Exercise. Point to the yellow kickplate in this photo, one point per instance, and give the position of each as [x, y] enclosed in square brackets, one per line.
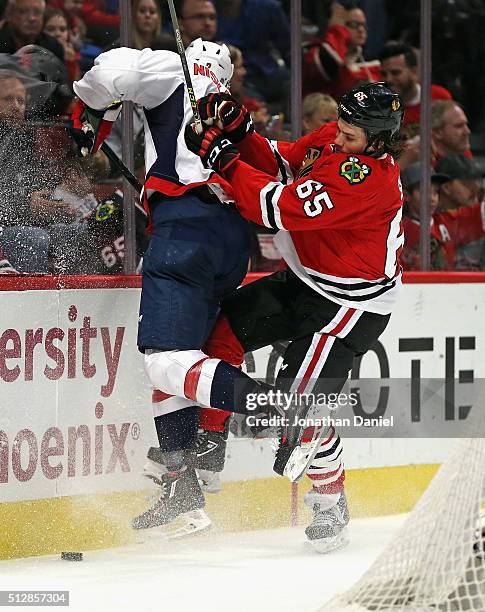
[82, 523]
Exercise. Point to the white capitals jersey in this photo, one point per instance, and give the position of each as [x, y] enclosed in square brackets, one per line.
[155, 81]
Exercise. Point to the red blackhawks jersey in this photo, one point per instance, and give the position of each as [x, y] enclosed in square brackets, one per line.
[450, 230]
[339, 215]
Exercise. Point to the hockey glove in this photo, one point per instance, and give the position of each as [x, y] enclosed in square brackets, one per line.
[215, 150]
[89, 128]
[232, 118]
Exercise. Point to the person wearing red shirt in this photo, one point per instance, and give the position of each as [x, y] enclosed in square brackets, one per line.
[399, 67]
[410, 256]
[457, 220]
[461, 209]
[335, 63]
[336, 198]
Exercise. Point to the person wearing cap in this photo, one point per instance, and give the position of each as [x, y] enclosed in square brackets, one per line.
[410, 257]
[452, 229]
[460, 207]
[464, 181]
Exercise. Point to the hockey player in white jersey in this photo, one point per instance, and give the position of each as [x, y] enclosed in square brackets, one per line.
[198, 252]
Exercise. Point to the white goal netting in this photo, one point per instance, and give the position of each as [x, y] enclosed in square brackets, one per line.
[436, 562]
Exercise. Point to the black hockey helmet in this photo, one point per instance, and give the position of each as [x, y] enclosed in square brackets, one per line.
[373, 107]
[42, 64]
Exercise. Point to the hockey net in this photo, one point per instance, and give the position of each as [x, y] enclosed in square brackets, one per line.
[436, 562]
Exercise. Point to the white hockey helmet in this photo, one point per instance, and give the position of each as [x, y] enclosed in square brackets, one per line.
[218, 56]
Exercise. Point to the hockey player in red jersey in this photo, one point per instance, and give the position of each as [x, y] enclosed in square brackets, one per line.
[335, 196]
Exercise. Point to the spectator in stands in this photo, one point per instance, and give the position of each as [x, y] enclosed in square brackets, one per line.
[39, 214]
[197, 19]
[147, 22]
[399, 67]
[449, 128]
[23, 26]
[251, 98]
[146, 27]
[56, 25]
[463, 186]
[102, 20]
[410, 257]
[64, 209]
[72, 10]
[456, 233]
[318, 109]
[465, 213]
[146, 33]
[334, 63]
[260, 28]
[22, 172]
[449, 230]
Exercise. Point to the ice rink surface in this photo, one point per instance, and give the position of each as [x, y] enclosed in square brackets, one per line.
[253, 571]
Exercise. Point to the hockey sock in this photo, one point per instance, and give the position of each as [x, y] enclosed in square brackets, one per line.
[222, 344]
[177, 430]
[327, 471]
[234, 391]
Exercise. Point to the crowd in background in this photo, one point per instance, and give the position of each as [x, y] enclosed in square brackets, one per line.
[64, 215]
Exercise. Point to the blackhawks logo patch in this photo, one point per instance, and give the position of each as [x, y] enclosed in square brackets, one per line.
[354, 170]
[310, 158]
[105, 211]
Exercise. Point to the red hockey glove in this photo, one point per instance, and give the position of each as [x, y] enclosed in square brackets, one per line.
[223, 110]
[215, 150]
[90, 128]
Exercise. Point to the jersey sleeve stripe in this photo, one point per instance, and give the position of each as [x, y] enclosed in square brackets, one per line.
[270, 212]
[284, 175]
[274, 204]
[352, 297]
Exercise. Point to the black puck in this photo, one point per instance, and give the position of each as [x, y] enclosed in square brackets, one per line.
[72, 556]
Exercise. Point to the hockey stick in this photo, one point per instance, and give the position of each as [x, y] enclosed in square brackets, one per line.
[116, 161]
[185, 67]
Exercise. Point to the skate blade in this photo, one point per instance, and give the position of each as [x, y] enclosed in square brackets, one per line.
[301, 454]
[327, 545]
[184, 526]
[301, 457]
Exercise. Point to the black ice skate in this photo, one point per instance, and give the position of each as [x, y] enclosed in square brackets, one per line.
[178, 495]
[328, 530]
[208, 457]
[209, 451]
